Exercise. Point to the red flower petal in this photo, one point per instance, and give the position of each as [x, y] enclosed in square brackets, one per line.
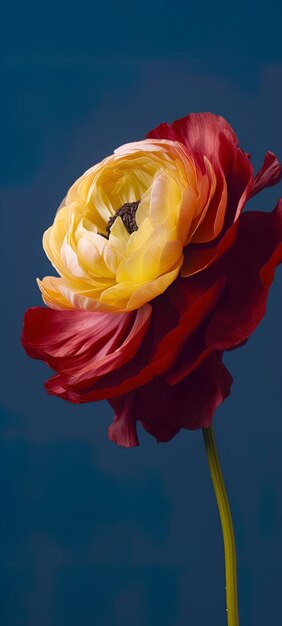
[174, 319]
[199, 132]
[164, 409]
[269, 174]
[194, 351]
[123, 429]
[75, 341]
[205, 134]
[197, 258]
[249, 267]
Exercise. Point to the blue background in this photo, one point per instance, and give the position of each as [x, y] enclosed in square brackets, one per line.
[90, 533]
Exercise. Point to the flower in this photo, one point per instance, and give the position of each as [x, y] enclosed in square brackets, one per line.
[160, 273]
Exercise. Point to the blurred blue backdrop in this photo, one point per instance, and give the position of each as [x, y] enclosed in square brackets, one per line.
[90, 533]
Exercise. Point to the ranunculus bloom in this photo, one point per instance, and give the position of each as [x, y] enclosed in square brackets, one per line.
[160, 272]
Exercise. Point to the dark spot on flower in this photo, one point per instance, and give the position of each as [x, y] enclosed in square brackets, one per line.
[127, 213]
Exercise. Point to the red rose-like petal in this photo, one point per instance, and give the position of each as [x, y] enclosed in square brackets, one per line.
[269, 174]
[174, 319]
[72, 341]
[249, 269]
[197, 258]
[164, 409]
[199, 132]
[205, 134]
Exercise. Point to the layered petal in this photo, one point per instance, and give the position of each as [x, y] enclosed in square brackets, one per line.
[73, 342]
[117, 238]
[173, 321]
[210, 136]
[101, 356]
[269, 174]
[164, 409]
[249, 268]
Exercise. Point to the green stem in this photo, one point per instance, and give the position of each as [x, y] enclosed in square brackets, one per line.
[227, 527]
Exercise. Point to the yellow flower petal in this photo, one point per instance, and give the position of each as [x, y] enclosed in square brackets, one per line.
[122, 266]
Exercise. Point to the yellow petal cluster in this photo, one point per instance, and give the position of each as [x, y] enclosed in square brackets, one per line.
[117, 270]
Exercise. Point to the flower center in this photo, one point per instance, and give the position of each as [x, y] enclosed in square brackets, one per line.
[127, 213]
